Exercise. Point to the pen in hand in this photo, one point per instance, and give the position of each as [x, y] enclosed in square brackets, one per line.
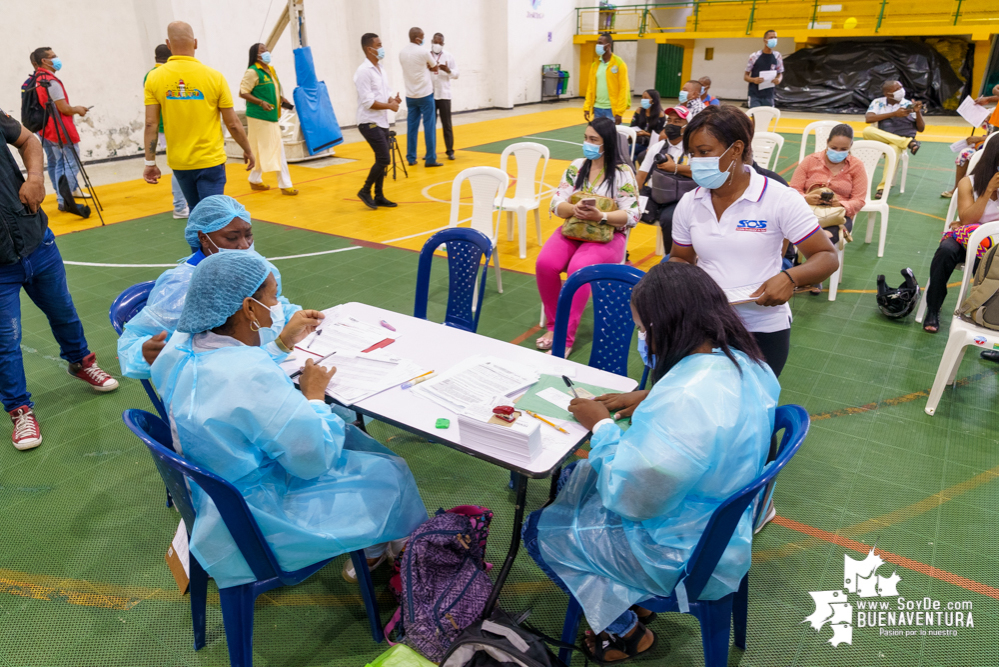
[568, 383]
[319, 332]
[299, 371]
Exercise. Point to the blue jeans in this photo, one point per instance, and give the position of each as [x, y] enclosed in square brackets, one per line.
[764, 99]
[43, 277]
[417, 108]
[602, 113]
[197, 184]
[61, 163]
[626, 621]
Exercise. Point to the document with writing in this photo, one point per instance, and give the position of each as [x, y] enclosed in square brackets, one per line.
[359, 376]
[345, 335]
[768, 76]
[737, 295]
[475, 381]
[973, 113]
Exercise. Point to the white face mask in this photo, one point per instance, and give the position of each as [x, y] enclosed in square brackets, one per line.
[436, 48]
[218, 249]
[269, 334]
[898, 95]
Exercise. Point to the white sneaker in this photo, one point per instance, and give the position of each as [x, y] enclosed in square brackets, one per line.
[351, 575]
[767, 517]
[183, 215]
[79, 194]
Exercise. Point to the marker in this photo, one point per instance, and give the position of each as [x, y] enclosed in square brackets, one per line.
[540, 418]
[300, 370]
[387, 325]
[418, 379]
[568, 383]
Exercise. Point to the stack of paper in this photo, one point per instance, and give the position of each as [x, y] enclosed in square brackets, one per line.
[737, 295]
[518, 442]
[360, 376]
[346, 334]
[479, 380]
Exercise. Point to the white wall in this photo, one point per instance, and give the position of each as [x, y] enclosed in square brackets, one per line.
[644, 73]
[500, 46]
[729, 63]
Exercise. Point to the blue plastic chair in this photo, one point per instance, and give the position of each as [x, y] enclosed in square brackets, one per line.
[717, 616]
[465, 249]
[125, 307]
[612, 322]
[237, 601]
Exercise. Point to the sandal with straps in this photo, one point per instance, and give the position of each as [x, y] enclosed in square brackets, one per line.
[626, 645]
[544, 343]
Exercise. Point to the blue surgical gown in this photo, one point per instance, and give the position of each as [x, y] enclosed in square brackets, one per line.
[629, 517]
[317, 487]
[162, 311]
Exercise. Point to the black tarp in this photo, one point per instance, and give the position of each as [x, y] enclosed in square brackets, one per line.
[845, 76]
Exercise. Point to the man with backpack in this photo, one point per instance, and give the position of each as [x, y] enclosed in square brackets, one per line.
[59, 135]
[29, 259]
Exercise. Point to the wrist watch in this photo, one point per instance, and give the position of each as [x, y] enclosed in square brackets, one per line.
[603, 216]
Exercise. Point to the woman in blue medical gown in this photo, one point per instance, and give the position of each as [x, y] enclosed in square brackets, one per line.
[627, 519]
[316, 486]
[218, 223]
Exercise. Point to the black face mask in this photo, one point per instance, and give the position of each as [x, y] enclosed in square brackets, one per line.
[673, 132]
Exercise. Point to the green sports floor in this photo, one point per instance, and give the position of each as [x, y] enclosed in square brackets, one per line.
[84, 529]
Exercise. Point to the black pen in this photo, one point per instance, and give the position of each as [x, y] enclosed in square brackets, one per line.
[299, 371]
[568, 383]
[319, 332]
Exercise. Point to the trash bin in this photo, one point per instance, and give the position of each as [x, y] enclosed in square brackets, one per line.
[563, 82]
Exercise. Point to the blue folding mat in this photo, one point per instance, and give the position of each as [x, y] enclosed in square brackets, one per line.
[312, 102]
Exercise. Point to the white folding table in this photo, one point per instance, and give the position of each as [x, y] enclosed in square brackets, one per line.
[438, 347]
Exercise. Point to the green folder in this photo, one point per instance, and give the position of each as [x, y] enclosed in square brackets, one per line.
[530, 400]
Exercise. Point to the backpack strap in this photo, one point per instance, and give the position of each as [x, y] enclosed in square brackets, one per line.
[390, 626]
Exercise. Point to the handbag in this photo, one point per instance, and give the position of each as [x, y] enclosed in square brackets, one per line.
[667, 188]
[587, 230]
[831, 216]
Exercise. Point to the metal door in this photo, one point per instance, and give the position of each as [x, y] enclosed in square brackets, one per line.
[669, 70]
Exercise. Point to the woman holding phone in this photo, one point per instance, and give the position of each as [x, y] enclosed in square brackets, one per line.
[596, 191]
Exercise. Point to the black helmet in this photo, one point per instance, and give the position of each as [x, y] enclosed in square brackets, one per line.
[897, 303]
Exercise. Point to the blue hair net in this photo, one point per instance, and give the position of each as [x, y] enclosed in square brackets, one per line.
[212, 214]
[218, 286]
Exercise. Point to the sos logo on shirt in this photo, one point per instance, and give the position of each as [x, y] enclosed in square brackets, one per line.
[751, 226]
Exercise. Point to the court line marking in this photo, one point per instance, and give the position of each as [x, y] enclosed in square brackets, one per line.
[170, 266]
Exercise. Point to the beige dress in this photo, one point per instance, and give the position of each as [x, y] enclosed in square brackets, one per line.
[264, 136]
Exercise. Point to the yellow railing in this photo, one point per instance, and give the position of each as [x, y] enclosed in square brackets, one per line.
[749, 15]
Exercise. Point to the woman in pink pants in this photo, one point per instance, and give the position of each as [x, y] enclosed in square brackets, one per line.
[602, 172]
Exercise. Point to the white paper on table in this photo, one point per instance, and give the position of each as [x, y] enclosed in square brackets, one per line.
[345, 334]
[973, 113]
[959, 145]
[737, 295]
[555, 397]
[768, 76]
[476, 381]
[363, 375]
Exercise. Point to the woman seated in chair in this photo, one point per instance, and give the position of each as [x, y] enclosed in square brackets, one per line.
[598, 196]
[217, 224]
[649, 120]
[976, 204]
[627, 519]
[832, 179]
[316, 486]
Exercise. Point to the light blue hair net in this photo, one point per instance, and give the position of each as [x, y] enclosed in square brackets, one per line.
[218, 286]
[212, 214]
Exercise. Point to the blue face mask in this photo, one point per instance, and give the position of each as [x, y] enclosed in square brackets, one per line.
[643, 351]
[682, 96]
[218, 249]
[836, 156]
[705, 171]
[266, 57]
[772, 43]
[600, 49]
[591, 151]
[646, 104]
[56, 64]
[270, 334]
[381, 53]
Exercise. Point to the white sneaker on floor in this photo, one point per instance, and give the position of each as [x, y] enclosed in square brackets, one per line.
[351, 575]
[183, 215]
[79, 194]
[767, 517]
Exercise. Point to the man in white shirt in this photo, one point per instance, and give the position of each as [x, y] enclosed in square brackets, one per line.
[373, 102]
[447, 69]
[417, 67]
[894, 120]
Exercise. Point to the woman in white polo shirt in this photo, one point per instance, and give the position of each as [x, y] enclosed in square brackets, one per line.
[734, 225]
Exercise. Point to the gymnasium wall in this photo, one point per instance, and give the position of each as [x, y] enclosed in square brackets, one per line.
[729, 63]
[500, 46]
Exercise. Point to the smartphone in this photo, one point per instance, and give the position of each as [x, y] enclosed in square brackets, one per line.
[592, 203]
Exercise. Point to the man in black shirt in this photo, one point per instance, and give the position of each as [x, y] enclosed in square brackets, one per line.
[29, 259]
[763, 61]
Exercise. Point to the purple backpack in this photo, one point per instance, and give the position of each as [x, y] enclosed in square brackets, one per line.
[444, 582]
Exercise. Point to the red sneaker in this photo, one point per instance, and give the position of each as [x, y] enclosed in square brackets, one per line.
[27, 433]
[88, 371]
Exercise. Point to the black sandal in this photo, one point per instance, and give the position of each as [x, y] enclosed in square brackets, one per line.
[914, 146]
[931, 323]
[628, 646]
[646, 620]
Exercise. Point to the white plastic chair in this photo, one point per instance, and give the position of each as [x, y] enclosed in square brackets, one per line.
[766, 148]
[631, 134]
[487, 183]
[870, 153]
[951, 217]
[527, 196]
[821, 128]
[762, 116]
[962, 332]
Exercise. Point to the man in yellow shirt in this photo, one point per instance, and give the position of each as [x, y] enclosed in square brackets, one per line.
[190, 96]
[608, 94]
